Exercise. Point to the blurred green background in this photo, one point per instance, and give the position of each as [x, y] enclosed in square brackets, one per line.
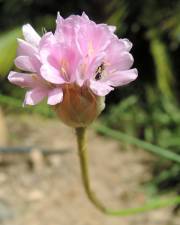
[147, 109]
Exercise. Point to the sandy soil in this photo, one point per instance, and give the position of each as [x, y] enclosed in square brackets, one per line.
[51, 193]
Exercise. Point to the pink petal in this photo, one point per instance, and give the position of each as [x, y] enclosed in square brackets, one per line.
[84, 16]
[127, 43]
[26, 63]
[92, 38]
[86, 70]
[65, 29]
[120, 45]
[53, 54]
[31, 35]
[95, 63]
[23, 80]
[55, 96]
[25, 48]
[119, 61]
[47, 40]
[35, 96]
[63, 59]
[112, 28]
[120, 78]
[59, 20]
[50, 51]
[100, 88]
[51, 74]
[71, 59]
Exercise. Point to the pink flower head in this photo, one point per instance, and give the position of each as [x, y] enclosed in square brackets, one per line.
[80, 55]
[104, 59]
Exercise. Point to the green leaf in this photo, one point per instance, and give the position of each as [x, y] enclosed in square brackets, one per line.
[14, 104]
[8, 45]
[164, 72]
[167, 154]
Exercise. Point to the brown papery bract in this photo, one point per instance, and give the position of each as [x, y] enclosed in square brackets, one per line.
[80, 106]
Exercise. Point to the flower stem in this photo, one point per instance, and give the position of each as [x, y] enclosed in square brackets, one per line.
[82, 149]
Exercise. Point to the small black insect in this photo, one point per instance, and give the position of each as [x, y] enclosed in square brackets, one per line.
[99, 71]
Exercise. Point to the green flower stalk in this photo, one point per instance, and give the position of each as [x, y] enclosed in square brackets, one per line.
[83, 157]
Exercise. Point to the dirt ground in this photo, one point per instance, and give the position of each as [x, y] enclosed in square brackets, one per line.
[37, 190]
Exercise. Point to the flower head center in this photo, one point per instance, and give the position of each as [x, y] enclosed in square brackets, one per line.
[64, 68]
